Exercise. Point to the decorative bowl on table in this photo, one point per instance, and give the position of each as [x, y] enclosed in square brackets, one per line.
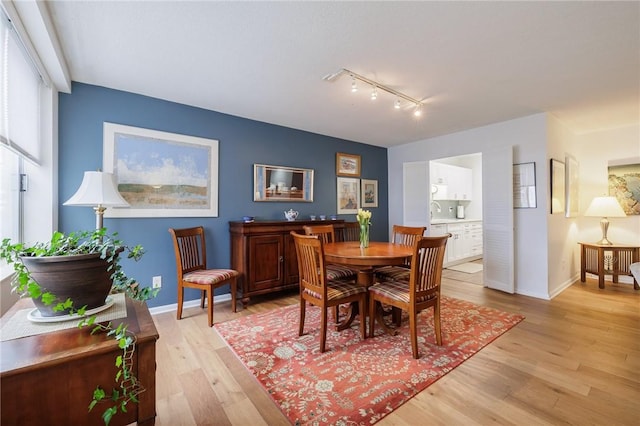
[248, 219]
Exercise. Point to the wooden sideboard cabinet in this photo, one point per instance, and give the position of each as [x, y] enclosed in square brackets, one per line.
[265, 255]
[50, 378]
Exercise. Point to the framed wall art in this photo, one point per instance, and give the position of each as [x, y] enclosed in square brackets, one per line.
[557, 186]
[280, 183]
[624, 184]
[369, 196]
[348, 195]
[347, 164]
[161, 174]
[524, 186]
[572, 195]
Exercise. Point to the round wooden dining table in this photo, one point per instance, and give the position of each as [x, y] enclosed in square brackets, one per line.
[365, 260]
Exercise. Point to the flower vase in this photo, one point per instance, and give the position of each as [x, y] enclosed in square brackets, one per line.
[364, 235]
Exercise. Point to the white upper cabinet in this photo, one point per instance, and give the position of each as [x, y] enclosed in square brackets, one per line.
[453, 182]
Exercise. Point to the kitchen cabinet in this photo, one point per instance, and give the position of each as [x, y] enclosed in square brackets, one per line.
[452, 182]
[455, 245]
[265, 255]
[465, 243]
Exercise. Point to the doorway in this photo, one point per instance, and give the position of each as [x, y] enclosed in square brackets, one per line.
[456, 207]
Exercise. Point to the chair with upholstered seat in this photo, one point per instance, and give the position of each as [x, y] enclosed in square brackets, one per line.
[327, 234]
[406, 236]
[192, 272]
[318, 290]
[419, 292]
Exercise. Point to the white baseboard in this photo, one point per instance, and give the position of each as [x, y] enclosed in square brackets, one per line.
[187, 304]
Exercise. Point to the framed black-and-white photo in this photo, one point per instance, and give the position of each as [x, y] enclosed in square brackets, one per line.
[369, 189]
[161, 174]
[348, 195]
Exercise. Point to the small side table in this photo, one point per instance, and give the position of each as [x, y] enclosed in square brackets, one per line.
[592, 260]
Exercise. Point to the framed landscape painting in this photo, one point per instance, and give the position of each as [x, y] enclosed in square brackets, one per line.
[161, 174]
[347, 164]
[624, 184]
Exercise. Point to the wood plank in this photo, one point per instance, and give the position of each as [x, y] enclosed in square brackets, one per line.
[573, 360]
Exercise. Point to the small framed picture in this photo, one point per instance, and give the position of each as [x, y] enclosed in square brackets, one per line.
[348, 195]
[557, 186]
[347, 164]
[369, 194]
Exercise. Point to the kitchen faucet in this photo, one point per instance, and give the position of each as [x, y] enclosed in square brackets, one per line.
[438, 208]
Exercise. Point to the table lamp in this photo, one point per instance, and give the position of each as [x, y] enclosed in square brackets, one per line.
[605, 207]
[98, 190]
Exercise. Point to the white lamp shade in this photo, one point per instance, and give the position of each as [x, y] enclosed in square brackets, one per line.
[605, 207]
[97, 189]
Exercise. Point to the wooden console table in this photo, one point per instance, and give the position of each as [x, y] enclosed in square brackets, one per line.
[50, 378]
[592, 260]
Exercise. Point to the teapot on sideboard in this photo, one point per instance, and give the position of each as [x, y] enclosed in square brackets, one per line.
[291, 214]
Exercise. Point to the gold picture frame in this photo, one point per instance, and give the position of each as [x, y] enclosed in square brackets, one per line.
[348, 164]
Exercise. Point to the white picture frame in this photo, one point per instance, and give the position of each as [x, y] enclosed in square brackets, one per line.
[348, 195]
[161, 174]
[369, 192]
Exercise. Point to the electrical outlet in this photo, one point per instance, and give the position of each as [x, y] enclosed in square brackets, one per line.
[157, 281]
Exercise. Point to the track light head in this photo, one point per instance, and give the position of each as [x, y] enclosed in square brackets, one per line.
[374, 94]
[354, 86]
[418, 111]
[397, 104]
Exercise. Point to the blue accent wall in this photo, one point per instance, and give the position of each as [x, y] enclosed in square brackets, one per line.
[242, 143]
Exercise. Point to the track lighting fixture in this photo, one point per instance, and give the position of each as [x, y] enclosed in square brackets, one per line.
[374, 93]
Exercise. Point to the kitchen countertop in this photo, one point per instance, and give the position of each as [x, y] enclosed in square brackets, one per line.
[447, 221]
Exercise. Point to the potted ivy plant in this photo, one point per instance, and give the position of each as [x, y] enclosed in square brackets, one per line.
[73, 273]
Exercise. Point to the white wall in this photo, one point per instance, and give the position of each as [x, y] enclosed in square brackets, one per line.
[528, 136]
[594, 152]
[563, 256]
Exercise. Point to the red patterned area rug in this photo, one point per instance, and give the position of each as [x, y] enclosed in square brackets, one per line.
[355, 382]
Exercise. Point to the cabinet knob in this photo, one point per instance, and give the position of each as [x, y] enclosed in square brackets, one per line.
[281, 258]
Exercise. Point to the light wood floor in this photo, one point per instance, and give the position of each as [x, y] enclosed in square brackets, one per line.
[573, 360]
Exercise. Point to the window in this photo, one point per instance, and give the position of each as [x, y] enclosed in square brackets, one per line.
[20, 126]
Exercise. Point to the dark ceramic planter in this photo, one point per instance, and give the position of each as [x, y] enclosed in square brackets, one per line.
[83, 278]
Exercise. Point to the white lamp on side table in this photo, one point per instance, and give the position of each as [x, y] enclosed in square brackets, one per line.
[605, 207]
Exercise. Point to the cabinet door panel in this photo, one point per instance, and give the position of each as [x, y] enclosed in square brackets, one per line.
[266, 256]
[291, 261]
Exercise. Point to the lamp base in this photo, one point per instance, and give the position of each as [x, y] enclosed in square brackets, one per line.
[604, 242]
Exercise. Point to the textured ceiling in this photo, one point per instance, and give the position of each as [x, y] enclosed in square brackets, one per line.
[472, 63]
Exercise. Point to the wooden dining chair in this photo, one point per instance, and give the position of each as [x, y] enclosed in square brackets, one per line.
[318, 290]
[327, 234]
[420, 291]
[406, 236]
[191, 265]
[351, 231]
